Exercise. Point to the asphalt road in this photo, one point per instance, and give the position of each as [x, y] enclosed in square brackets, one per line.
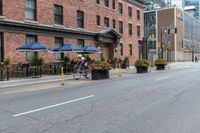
[157, 102]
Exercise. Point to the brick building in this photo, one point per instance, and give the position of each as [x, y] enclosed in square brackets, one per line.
[172, 43]
[115, 26]
[167, 26]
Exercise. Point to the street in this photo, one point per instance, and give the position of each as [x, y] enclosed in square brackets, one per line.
[157, 102]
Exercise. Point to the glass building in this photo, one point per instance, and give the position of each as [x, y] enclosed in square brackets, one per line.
[192, 3]
[150, 28]
[191, 33]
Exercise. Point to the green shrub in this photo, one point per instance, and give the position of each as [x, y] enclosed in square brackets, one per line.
[160, 62]
[100, 65]
[35, 60]
[142, 63]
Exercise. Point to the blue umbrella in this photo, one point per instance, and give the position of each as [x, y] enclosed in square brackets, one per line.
[90, 49]
[33, 47]
[67, 48]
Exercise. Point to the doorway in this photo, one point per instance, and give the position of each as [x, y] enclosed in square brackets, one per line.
[107, 51]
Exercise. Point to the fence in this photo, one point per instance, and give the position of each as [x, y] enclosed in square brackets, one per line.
[26, 70]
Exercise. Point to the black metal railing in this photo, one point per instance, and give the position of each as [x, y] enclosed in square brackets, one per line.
[27, 70]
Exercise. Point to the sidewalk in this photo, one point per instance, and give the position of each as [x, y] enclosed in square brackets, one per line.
[31, 81]
[47, 79]
[171, 64]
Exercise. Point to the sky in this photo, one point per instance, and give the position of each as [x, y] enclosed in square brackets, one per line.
[177, 2]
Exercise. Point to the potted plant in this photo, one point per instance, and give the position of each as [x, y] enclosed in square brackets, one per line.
[65, 63]
[4, 69]
[37, 63]
[142, 65]
[100, 70]
[160, 64]
[125, 63]
[2, 76]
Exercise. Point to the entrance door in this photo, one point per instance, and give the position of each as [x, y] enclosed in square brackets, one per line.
[107, 51]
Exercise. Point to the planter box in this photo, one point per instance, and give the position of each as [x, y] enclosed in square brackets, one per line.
[142, 70]
[100, 74]
[160, 67]
[123, 67]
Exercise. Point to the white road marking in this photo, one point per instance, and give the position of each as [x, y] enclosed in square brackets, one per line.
[52, 106]
[163, 78]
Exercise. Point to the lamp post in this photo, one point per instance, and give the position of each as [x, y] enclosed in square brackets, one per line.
[192, 48]
[192, 54]
[140, 48]
[163, 30]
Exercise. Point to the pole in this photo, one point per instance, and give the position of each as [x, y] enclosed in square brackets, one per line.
[7, 74]
[62, 76]
[120, 73]
[161, 55]
[147, 48]
[192, 54]
[35, 64]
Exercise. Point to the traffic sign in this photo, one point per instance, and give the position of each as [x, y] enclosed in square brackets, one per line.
[153, 37]
[158, 44]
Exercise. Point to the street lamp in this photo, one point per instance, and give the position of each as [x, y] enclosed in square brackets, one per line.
[163, 30]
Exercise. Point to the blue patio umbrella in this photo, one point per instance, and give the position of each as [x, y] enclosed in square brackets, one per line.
[33, 47]
[90, 49]
[67, 48]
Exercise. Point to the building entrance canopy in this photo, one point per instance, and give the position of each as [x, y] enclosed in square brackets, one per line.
[109, 36]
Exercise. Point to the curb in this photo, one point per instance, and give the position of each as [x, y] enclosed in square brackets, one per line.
[40, 82]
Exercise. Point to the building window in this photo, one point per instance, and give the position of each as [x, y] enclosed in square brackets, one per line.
[81, 43]
[120, 8]
[138, 31]
[130, 49]
[121, 49]
[114, 23]
[106, 3]
[106, 22]
[98, 2]
[1, 7]
[130, 29]
[1, 47]
[30, 39]
[80, 19]
[138, 14]
[98, 21]
[58, 14]
[121, 27]
[113, 4]
[30, 9]
[58, 43]
[130, 12]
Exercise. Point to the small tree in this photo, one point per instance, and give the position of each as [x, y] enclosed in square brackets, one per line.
[4, 68]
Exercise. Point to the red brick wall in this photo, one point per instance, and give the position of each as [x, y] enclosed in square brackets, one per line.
[11, 42]
[45, 15]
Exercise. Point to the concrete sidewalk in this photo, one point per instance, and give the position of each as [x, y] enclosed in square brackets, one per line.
[16, 82]
[31, 81]
[47, 79]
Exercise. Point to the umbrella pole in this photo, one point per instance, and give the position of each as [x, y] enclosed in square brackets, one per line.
[35, 66]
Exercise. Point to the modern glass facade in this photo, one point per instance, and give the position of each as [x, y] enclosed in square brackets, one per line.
[192, 3]
[150, 28]
[191, 33]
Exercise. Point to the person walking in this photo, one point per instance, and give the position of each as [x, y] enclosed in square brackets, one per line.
[196, 59]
